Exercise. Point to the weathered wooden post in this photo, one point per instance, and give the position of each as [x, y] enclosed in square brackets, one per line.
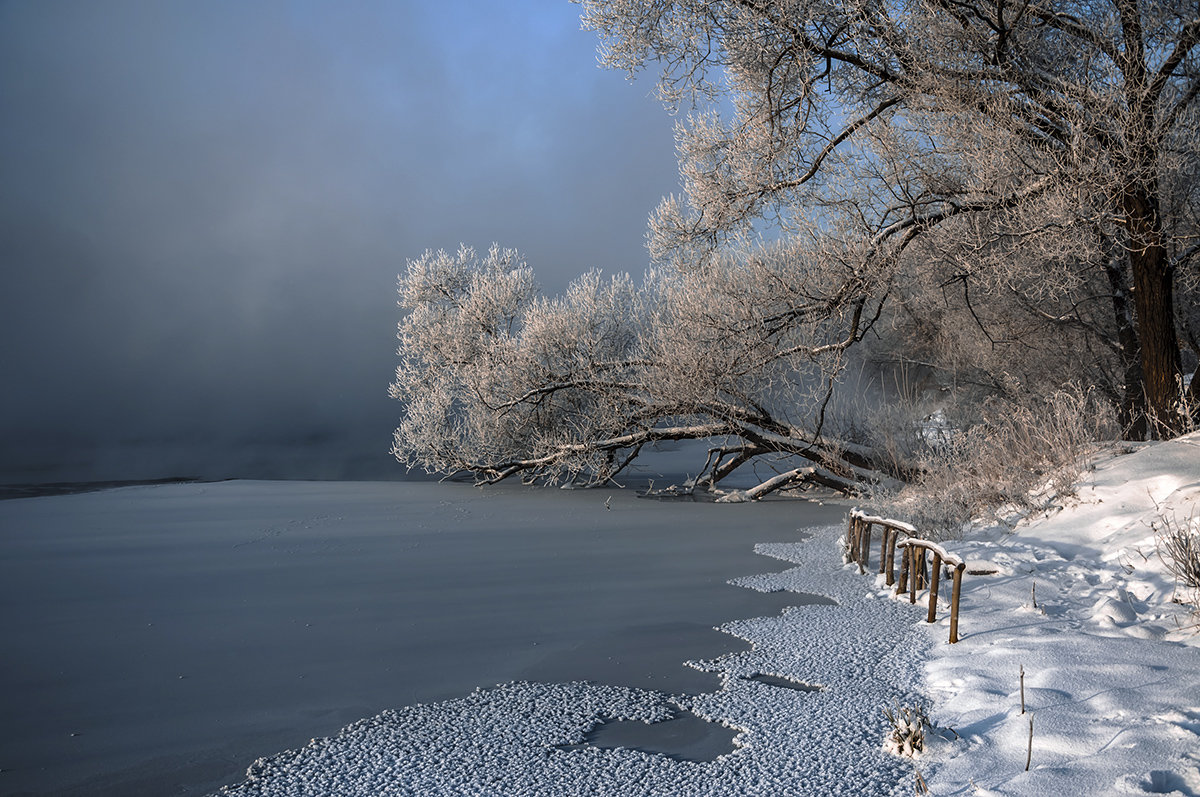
[886, 532]
[854, 545]
[891, 556]
[914, 574]
[954, 593]
[933, 587]
[864, 553]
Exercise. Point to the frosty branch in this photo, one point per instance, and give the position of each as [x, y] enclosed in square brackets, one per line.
[499, 382]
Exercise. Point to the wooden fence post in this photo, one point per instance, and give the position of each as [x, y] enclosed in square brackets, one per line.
[891, 557]
[851, 537]
[887, 531]
[913, 573]
[856, 544]
[958, 572]
[934, 574]
[864, 544]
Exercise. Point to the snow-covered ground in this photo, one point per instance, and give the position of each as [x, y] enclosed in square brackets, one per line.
[1112, 665]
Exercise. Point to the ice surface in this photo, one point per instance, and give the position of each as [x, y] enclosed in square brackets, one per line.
[159, 639]
[526, 739]
[683, 736]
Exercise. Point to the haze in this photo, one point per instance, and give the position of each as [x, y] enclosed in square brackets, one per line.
[204, 206]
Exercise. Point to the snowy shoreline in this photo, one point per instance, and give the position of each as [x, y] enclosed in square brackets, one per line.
[1112, 671]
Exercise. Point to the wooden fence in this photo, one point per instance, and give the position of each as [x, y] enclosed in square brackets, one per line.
[914, 553]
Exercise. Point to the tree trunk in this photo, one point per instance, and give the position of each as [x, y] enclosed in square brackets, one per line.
[1154, 308]
[1132, 412]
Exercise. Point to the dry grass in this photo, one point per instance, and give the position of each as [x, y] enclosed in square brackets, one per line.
[1178, 544]
[1015, 459]
[907, 734]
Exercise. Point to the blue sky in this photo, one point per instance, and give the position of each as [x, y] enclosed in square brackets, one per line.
[205, 206]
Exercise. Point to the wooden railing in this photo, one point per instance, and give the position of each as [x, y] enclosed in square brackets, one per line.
[914, 553]
[858, 541]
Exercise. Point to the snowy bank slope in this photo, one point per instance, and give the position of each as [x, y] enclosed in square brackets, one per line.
[1112, 665]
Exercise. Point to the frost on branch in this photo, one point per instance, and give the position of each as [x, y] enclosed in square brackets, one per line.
[498, 381]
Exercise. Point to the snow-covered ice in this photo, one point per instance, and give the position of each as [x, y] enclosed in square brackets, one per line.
[864, 653]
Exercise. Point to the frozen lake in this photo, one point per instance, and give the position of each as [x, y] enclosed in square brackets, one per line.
[159, 639]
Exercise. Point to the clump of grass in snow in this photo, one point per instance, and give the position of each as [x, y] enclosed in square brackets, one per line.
[907, 736]
[1178, 545]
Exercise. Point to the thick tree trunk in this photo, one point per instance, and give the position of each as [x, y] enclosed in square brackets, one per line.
[1154, 309]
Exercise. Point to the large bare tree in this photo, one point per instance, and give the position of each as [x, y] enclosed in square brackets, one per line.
[895, 120]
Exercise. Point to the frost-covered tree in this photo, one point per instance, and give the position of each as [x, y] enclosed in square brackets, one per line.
[1059, 136]
[498, 381]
